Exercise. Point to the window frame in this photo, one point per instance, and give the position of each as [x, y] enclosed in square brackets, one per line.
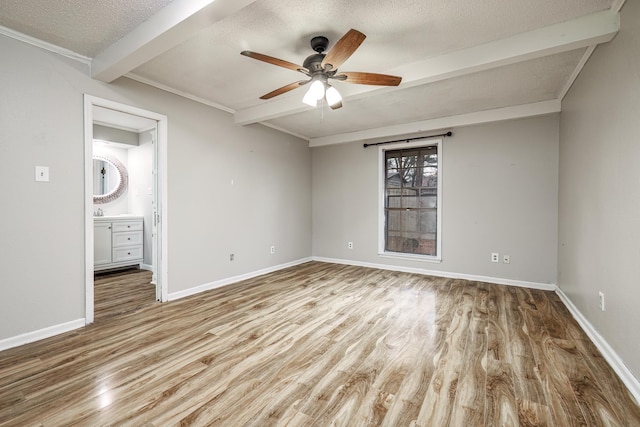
[382, 149]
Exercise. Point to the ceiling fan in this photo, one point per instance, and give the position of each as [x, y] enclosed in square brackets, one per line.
[320, 67]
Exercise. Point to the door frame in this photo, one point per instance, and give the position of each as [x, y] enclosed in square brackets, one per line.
[160, 258]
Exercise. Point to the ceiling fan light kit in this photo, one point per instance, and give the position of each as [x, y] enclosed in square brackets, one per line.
[314, 94]
[333, 97]
[321, 67]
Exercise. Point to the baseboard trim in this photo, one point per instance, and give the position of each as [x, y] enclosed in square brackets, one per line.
[447, 274]
[147, 267]
[234, 279]
[40, 334]
[610, 355]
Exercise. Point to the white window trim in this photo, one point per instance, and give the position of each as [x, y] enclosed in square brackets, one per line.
[381, 189]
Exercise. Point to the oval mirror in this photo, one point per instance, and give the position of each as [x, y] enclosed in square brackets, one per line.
[110, 179]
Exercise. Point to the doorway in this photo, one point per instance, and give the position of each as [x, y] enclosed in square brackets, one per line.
[118, 114]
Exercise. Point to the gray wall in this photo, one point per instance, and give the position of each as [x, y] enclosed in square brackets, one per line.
[599, 212]
[499, 195]
[42, 224]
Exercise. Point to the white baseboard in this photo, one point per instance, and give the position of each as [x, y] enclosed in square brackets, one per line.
[40, 334]
[448, 274]
[607, 351]
[230, 280]
[147, 267]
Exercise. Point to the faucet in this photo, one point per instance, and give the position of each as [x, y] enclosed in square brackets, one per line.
[99, 212]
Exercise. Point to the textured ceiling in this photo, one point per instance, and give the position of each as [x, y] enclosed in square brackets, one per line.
[525, 82]
[84, 27]
[398, 32]
[456, 56]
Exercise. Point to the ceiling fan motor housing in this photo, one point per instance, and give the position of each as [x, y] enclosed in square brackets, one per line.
[319, 43]
[313, 63]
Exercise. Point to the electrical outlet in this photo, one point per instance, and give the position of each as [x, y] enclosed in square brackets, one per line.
[506, 259]
[601, 300]
[349, 245]
[495, 257]
[231, 256]
[273, 249]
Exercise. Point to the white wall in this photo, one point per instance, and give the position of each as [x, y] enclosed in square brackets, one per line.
[141, 188]
[599, 186]
[42, 224]
[499, 195]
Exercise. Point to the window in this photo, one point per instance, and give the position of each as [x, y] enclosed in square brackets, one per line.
[410, 217]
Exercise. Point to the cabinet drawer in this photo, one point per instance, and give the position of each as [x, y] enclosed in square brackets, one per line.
[127, 238]
[120, 226]
[127, 253]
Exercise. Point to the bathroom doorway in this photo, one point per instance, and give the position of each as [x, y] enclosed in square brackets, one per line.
[102, 115]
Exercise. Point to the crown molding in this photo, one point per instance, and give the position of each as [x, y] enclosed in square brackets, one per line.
[181, 93]
[44, 45]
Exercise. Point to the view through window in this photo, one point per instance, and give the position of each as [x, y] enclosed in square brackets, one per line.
[411, 200]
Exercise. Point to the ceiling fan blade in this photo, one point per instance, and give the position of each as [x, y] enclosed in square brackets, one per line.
[343, 49]
[368, 78]
[284, 89]
[274, 61]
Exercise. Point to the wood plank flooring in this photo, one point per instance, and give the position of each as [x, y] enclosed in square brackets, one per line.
[121, 292]
[323, 345]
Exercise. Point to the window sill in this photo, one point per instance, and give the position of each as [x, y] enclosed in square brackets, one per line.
[410, 257]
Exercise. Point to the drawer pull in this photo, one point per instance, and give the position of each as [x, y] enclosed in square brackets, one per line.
[128, 253]
[128, 238]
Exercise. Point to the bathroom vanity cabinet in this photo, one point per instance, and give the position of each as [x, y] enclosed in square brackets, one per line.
[117, 241]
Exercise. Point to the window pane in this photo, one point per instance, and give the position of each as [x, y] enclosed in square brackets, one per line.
[394, 241]
[430, 159]
[393, 220]
[411, 202]
[394, 201]
[428, 222]
[410, 220]
[428, 200]
[394, 179]
[411, 243]
[392, 161]
[409, 159]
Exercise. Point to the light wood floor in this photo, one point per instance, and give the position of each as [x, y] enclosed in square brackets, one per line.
[323, 344]
[121, 292]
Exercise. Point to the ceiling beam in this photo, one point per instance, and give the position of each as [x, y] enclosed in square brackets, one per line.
[172, 25]
[574, 34]
[468, 119]
[578, 33]
[617, 5]
[572, 78]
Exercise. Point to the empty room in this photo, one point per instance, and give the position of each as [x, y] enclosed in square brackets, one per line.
[340, 213]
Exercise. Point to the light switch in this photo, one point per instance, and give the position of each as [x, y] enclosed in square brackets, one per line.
[42, 173]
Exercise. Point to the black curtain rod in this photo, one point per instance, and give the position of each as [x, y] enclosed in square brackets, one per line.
[408, 139]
